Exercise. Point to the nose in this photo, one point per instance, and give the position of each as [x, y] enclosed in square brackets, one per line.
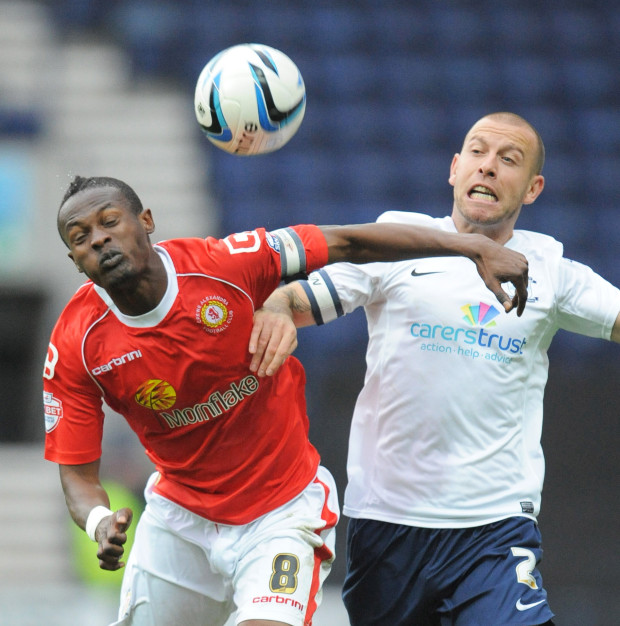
[488, 167]
[98, 237]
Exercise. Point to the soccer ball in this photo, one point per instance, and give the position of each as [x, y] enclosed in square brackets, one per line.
[250, 99]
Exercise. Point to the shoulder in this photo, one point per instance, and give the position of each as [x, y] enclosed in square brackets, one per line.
[194, 249]
[536, 244]
[80, 313]
[416, 219]
[195, 254]
[187, 248]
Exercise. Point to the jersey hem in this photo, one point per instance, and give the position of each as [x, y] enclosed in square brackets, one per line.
[394, 519]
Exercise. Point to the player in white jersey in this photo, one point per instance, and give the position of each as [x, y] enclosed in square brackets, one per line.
[445, 464]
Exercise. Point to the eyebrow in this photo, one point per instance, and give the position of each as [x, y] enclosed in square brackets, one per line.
[76, 221]
[510, 146]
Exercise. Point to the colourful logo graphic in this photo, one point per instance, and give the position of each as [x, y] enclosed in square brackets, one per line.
[53, 411]
[156, 394]
[213, 313]
[480, 315]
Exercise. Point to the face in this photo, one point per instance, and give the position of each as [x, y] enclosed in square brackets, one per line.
[494, 175]
[107, 240]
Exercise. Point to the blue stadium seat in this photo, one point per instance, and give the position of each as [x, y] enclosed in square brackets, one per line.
[398, 30]
[413, 80]
[341, 78]
[520, 28]
[457, 29]
[599, 130]
[555, 125]
[152, 32]
[531, 79]
[565, 177]
[470, 79]
[578, 32]
[590, 81]
[334, 28]
[603, 182]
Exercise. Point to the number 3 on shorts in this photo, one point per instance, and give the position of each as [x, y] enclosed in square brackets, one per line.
[525, 568]
[284, 578]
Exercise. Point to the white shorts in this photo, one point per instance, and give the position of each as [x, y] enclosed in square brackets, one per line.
[186, 570]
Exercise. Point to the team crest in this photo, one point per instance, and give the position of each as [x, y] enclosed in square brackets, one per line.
[213, 314]
[156, 394]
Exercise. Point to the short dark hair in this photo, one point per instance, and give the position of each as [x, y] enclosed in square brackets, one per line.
[80, 183]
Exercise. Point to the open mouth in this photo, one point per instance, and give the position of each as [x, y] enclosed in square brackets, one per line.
[480, 192]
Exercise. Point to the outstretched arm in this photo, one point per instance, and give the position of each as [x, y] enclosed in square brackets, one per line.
[366, 243]
[274, 335]
[83, 493]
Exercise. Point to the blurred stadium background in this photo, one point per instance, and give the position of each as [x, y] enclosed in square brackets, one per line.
[105, 87]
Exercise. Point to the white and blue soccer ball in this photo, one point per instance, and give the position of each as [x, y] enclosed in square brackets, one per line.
[250, 99]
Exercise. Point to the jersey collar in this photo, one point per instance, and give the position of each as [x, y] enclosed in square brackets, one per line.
[155, 316]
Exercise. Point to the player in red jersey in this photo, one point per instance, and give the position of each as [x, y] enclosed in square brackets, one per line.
[240, 515]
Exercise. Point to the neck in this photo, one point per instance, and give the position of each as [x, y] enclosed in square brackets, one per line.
[500, 232]
[142, 293]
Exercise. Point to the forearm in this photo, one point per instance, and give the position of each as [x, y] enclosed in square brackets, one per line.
[366, 243]
[291, 300]
[83, 490]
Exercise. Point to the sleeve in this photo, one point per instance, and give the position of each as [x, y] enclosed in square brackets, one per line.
[341, 288]
[302, 249]
[72, 405]
[587, 303]
[259, 259]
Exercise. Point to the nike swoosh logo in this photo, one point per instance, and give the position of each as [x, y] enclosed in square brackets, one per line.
[525, 607]
[414, 272]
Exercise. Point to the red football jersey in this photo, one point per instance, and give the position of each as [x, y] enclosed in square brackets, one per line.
[228, 445]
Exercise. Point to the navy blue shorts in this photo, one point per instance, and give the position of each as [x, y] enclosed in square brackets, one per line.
[408, 576]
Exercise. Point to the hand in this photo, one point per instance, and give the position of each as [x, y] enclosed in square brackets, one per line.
[111, 535]
[497, 264]
[273, 340]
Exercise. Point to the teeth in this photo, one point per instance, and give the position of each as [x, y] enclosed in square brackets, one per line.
[482, 193]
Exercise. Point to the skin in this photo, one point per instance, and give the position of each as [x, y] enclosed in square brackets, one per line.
[494, 176]
[111, 245]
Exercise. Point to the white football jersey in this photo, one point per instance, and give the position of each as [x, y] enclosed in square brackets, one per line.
[446, 431]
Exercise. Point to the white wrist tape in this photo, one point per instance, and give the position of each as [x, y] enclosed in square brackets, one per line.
[94, 517]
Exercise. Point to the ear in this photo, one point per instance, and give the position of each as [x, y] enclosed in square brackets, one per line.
[79, 269]
[537, 184]
[146, 219]
[455, 159]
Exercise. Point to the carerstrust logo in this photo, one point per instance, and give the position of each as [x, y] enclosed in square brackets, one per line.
[481, 318]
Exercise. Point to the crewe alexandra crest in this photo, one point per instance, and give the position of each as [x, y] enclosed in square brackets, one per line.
[214, 314]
